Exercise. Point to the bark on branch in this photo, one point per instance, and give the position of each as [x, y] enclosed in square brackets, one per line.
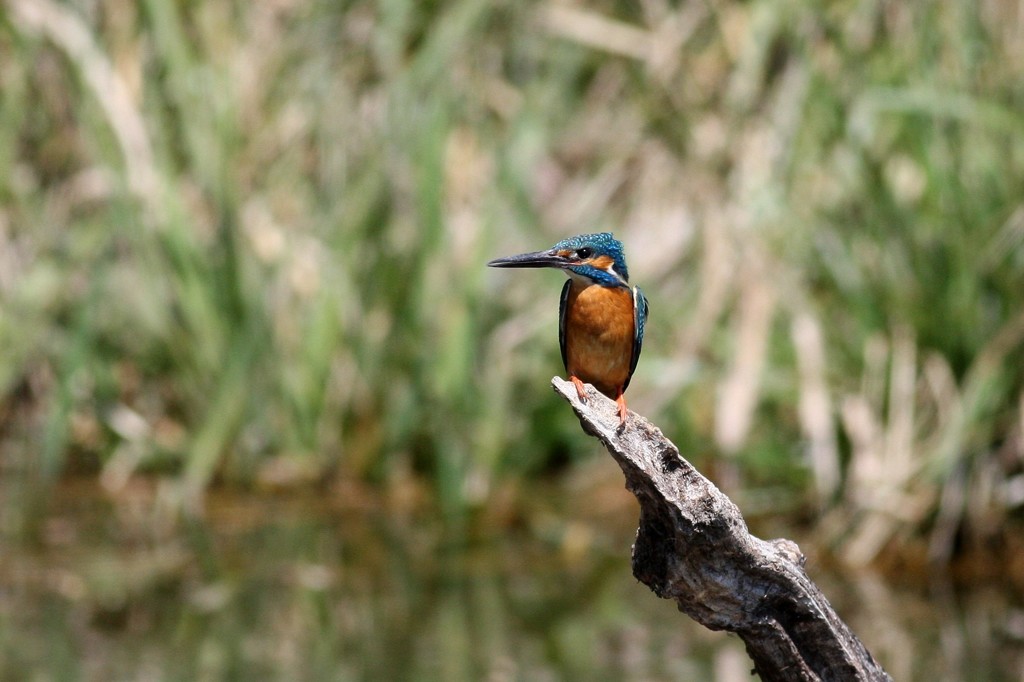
[693, 546]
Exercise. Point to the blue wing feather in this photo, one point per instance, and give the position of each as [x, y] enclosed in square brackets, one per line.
[561, 321]
[640, 310]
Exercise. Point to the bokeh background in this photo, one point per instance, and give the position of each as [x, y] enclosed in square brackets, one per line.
[264, 413]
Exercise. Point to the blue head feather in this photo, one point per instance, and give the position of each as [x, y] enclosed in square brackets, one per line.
[600, 244]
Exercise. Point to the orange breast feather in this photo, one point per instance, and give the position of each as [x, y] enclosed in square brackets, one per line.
[599, 335]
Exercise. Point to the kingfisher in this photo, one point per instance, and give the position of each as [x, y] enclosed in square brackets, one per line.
[601, 317]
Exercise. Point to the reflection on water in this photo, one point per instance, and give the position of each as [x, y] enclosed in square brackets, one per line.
[275, 588]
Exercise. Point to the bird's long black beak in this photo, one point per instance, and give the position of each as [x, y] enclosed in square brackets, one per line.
[536, 259]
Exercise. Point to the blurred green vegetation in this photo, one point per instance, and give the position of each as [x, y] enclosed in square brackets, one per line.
[244, 242]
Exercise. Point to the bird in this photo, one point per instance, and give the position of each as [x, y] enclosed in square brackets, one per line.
[601, 318]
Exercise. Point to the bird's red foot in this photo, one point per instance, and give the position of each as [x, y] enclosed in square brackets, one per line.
[623, 412]
[580, 390]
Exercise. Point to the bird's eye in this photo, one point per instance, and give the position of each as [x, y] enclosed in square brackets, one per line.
[585, 252]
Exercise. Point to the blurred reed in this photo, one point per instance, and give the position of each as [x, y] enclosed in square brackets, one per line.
[245, 243]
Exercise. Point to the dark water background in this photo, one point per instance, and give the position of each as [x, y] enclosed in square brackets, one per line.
[343, 585]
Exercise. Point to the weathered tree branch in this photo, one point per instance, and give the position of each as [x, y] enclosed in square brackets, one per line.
[693, 546]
